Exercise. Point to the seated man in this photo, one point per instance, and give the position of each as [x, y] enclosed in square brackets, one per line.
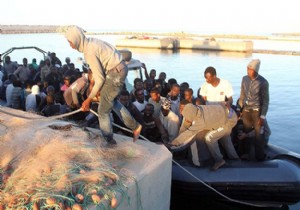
[218, 120]
[242, 136]
[174, 97]
[169, 120]
[137, 85]
[140, 102]
[124, 99]
[33, 100]
[76, 93]
[152, 126]
[265, 130]
[156, 100]
[188, 95]
[51, 108]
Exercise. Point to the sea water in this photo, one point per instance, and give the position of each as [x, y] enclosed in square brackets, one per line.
[281, 71]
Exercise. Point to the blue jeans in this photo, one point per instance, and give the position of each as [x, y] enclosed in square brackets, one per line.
[112, 86]
[250, 121]
[222, 135]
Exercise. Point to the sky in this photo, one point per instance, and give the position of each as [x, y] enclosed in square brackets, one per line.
[222, 16]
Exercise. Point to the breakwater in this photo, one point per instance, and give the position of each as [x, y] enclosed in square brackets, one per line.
[288, 37]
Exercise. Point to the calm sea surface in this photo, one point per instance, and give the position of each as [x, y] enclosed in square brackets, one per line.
[282, 72]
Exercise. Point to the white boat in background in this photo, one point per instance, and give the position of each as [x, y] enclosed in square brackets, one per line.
[186, 43]
[148, 42]
[218, 45]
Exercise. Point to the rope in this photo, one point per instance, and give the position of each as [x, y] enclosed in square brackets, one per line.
[125, 129]
[198, 179]
[116, 125]
[39, 118]
[221, 194]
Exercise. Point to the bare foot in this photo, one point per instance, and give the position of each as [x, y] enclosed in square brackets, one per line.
[136, 133]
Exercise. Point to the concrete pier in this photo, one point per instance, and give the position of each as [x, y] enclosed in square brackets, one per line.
[184, 43]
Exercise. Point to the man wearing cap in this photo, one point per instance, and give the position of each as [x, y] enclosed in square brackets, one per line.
[254, 102]
[109, 72]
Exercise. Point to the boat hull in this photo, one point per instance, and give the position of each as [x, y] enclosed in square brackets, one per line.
[272, 182]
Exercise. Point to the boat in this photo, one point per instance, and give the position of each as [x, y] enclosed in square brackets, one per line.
[147, 42]
[217, 45]
[7, 52]
[186, 43]
[273, 182]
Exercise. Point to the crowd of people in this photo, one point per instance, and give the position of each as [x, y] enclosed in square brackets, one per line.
[160, 109]
[38, 88]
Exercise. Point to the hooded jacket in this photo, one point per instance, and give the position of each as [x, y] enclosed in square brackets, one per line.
[101, 56]
[206, 117]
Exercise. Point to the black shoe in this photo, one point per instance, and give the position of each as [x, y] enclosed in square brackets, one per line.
[111, 142]
[245, 157]
[261, 158]
[218, 165]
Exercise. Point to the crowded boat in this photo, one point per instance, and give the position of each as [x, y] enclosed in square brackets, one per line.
[220, 141]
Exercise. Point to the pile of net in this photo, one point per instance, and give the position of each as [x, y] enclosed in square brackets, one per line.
[56, 165]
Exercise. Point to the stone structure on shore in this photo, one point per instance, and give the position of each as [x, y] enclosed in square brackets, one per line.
[29, 29]
[22, 29]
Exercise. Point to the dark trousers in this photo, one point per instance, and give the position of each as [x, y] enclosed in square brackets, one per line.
[250, 120]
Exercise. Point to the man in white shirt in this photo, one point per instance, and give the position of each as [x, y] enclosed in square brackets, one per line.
[33, 100]
[169, 120]
[140, 102]
[174, 97]
[216, 90]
